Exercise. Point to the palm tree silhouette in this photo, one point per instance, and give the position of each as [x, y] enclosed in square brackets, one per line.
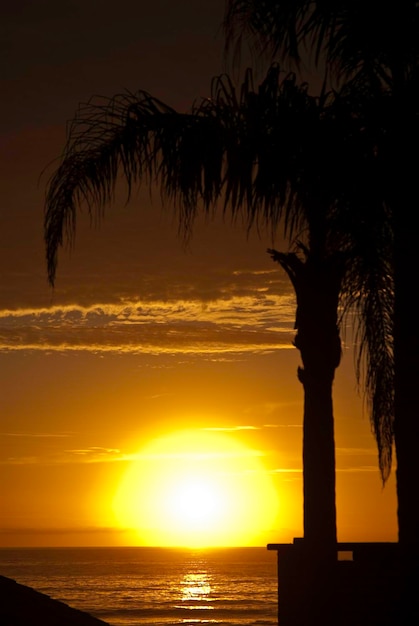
[280, 157]
[343, 267]
[373, 49]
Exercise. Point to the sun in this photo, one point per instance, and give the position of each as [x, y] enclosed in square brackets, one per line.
[196, 501]
[198, 489]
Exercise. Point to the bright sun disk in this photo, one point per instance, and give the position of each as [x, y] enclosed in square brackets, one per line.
[199, 489]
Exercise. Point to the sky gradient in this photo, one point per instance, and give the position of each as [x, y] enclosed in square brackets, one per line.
[144, 335]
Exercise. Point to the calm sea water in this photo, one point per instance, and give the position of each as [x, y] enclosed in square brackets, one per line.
[154, 586]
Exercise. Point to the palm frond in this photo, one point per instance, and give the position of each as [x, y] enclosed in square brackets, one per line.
[243, 144]
[368, 289]
[271, 28]
[370, 296]
[142, 140]
[364, 42]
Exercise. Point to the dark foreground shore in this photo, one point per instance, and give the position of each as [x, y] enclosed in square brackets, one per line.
[23, 606]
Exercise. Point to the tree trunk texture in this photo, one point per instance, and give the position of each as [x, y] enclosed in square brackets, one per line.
[319, 344]
[317, 284]
[317, 287]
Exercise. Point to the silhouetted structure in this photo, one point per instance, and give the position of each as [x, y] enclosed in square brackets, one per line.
[371, 50]
[23, 606]
[363, 588]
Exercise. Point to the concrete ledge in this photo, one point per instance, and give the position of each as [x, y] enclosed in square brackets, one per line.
[362, 587]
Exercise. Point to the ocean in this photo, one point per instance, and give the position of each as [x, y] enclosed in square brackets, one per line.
[154, 586]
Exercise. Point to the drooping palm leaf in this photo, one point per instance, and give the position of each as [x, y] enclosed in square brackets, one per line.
[244, 147]
[368, 294]
[368, 288]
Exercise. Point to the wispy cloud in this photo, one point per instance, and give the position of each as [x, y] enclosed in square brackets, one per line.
[16, 531]
[358, 469]
[37, 435]
[230, 325]
[354, 460]
[96, 450]
[232, 428]
[94, 454]
[356, 451]
[268, 409]
[98, 454]
[282, 426]
[290, 470]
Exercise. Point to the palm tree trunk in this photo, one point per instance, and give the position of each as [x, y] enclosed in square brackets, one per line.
[317, 284]
[319, 462]
[319, 344]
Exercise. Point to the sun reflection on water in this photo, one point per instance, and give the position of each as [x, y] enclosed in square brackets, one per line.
[196, 591]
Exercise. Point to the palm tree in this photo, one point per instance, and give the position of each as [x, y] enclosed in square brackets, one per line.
[281, 157]
[373, 49]
[324, 278]
[342, 269]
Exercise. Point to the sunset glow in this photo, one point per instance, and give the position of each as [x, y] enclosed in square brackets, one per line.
[151, 398]
[196, 488]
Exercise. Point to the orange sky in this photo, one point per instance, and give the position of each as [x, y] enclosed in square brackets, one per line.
[142, 336]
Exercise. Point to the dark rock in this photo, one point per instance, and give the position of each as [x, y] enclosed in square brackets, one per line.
[23, 606]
